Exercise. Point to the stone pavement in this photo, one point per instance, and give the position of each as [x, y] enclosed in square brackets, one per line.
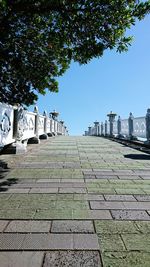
[75, 201]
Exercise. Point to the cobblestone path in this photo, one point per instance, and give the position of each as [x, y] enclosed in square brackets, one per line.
[75, 202]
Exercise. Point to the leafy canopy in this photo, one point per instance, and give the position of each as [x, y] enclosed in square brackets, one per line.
[40, 38]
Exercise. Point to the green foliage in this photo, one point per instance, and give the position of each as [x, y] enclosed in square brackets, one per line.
[40, 38]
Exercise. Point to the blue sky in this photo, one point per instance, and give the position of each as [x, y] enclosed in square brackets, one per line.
[117, 82]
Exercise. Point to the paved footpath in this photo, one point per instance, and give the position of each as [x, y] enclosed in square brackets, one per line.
[75, 201]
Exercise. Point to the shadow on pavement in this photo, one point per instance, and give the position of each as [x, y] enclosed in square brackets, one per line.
[5, 183]
[137, 156]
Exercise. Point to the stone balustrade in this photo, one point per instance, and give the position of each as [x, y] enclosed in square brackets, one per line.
[19, 127]
[131, 128]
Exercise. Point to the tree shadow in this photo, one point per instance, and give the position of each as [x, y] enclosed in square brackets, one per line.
[5, 183]
[137, 156]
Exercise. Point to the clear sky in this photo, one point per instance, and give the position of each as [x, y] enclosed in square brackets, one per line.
[117, 82]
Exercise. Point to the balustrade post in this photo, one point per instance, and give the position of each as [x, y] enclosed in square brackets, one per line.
[20, 146]
[147, 118]
[90, 130]
[106, 128]
[102, 129]
[119, 126]
[96, 123]
[45, 135]
[111, 116]
[131, 127]
[62, 127]
[36, 139]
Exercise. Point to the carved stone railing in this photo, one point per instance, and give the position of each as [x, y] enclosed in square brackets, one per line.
[131, 128]
[19, 126]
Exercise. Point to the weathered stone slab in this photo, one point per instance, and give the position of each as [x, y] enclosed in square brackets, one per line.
[116, 227]
[95, 197]
[143, 227]
[3, 225]
[134, 242]
[18, 190]
[106, 205]
[72, 190]
[72, 227]
[122, 259]
[43, 190]
[28, 226]
[129, 177]
[47, 241]
[85, 241]
[72, 259]
[119, 198]
[11, 241]
[130, 215]
[108, 242]
[21, 259]
[99, 215]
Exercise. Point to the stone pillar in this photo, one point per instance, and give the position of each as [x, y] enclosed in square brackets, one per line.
[20, 146]
[45, 135]
[111, 116]
[96, 123]
[85, 133]
[106, 128]
[147, 118]
[119, 126]
[90, 130]
[102, 129]
[62, 127]
[36, 139]
[131, 128]
[55, 127]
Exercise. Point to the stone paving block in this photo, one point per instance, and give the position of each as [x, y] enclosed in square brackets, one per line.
[115, 227]
[119, 197]
[3, 224]
[48, 180]
[72, 190]
[142, 197]
[130, 177]
[21, 259]
[130, 215]
[145, 177]
[87, 176]
[72, 227]
[4, 196]
[77, 205]
[101, 190]
[106, 205]
[11, 241]
[72, 259]
[129, 191]
[126, 259]
[143, 227]
[16, 214]
[66, 196]
[123, 172]
[95, 197]
[54, 214]
[63, 180]
[18, 190]
[43, 190]
[109, 242]
[99, 176]
[28, 226]
[140, 242]
[47, 241]
[99, 215]
[137, 205]
[85, 241]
